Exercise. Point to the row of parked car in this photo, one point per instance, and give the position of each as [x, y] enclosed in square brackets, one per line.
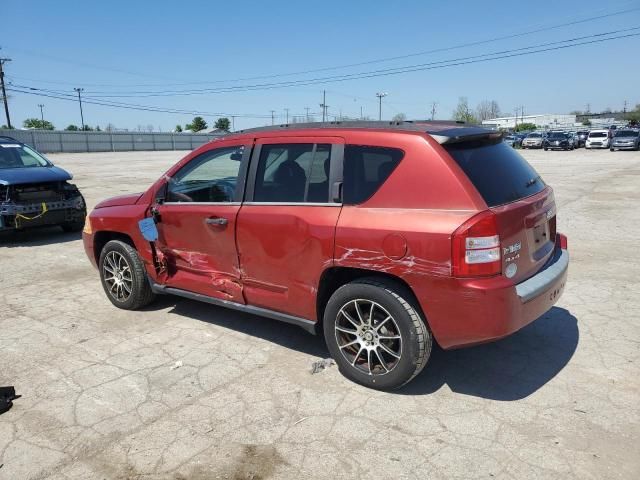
[613, 139]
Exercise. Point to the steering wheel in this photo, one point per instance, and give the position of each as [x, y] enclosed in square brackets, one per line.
[224, 187]
[181, 197]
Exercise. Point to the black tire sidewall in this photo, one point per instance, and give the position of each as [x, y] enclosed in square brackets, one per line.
[405, 370]
[139, 282]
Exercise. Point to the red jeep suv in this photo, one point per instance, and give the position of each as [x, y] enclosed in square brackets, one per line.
[385, 236]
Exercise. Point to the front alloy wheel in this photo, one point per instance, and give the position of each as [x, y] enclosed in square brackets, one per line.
[116, 272]
[123, 276]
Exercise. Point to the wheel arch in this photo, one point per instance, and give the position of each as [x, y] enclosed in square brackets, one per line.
[334, 277]
[101, 238]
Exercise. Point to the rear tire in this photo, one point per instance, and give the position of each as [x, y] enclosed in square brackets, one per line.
[123, 276]
[376, 334]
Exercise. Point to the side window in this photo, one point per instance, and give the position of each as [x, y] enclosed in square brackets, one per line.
[210, 177]
[295, 172]
[366, 169]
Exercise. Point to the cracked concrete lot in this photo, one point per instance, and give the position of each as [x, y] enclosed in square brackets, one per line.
[185, 390]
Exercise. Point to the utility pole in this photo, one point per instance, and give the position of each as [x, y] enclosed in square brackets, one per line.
[433, 110]
[361, 116]
[307, 110]
[286, 110]
[380, 95]
[79, 90]
[272, 112]
[41, 114]
[588, 110]
[624, 110]
[324, 106]
[4, 92]
[233, 123]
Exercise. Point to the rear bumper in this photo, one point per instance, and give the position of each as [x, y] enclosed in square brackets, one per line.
[624, 147]
[480, 311]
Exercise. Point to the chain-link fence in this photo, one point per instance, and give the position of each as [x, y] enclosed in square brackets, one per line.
[47, 141]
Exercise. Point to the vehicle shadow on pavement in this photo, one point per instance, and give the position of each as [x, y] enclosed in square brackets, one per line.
[37, 237]
[280, 333]
[507, 370]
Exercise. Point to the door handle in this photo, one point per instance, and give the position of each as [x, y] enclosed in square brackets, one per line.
[216, 221]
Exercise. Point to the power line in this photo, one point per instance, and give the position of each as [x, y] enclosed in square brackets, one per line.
[386, 72]
[516, 52]
[73, 98]
[344, 66]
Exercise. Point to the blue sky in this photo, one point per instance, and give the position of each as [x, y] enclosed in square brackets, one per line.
[119, 47]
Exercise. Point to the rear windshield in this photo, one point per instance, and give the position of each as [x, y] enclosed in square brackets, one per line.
[497, 171]
[627, 133]
[534, 135]
[557, 135]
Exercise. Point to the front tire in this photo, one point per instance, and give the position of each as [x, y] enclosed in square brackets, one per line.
[376, 334]
[123, 276]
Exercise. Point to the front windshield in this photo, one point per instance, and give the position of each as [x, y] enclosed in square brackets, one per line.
[14, 155]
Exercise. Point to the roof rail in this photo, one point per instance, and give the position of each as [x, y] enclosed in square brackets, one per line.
[414, 125]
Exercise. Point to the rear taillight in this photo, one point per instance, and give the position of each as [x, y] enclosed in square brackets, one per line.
[476, 247]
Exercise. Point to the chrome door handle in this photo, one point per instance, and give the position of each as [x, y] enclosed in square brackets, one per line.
[216, 221]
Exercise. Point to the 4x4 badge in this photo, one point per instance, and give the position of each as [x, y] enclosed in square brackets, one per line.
[512, 248]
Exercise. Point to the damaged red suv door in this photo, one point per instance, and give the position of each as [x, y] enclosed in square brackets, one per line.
[195, 213]
[286, 225]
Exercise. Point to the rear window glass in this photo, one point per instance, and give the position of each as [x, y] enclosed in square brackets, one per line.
[627, 133]
[365, 170]
[497, 171]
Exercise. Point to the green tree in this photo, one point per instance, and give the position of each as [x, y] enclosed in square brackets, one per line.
[223, 124]
[198, 124]
[633, 117]
[72, 128]
[399, 117]
[587, 123]
[87, 128]
[98, 128]
[178, 129]
[525, 127]
[462, 113]
[5, 127]
[37, 123]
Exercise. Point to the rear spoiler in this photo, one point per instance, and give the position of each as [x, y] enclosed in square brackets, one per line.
[468, 134]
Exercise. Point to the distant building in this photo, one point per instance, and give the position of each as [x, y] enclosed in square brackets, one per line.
[544, 121]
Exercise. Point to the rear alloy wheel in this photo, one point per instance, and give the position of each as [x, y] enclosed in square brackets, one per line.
[123, 276]
[375, 335]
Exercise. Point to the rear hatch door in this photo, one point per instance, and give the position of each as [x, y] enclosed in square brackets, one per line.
[524, 206]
